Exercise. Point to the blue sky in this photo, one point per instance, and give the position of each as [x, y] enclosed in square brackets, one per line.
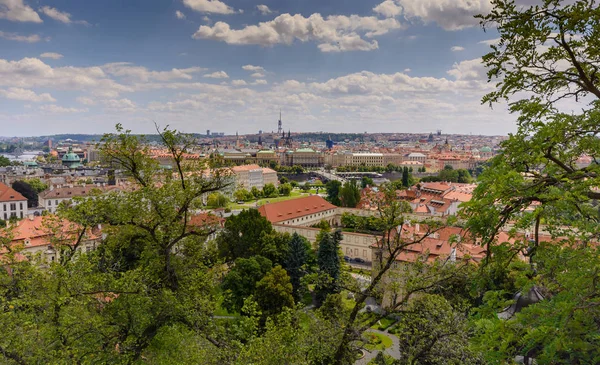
[230, 65]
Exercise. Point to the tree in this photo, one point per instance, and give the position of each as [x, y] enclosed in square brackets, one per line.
[434, 333]
[285, 189]
[217, 200]
[269, 191]
[333, 188]
[464, 176]
[241, 280]
[546, 56]
[257, 194]
[328, 261]
[405, 179]
[4, 161]
[366, 181]
[283, 180]
[37, 184]
[241, 234]
[27, 191]
[274, 292]
[242, 195]
[296, 263]
[350, 194]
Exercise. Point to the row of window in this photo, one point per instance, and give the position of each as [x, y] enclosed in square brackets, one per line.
[13, 215]
[349, 252]
[309, 217]
[13, 206]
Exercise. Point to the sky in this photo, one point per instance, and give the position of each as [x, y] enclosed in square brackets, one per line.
[414, 66]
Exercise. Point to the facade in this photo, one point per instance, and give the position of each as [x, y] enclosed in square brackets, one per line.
[38, 237]
[305, 157]
[305, 211]
[12, 203]
[52, 197]
[250, 176]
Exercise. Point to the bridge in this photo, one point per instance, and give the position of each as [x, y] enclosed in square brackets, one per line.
[324, 175]
[358, 175]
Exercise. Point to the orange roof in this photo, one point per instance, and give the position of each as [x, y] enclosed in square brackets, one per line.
[8, 194]
[245, 168]
[291, 209]
[38, 230]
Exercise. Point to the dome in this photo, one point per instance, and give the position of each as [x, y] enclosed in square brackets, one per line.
[485, 149]
[71, 159]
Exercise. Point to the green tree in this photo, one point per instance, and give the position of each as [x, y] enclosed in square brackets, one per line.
[283, 180]
[366, 181]
[27, 191]
[464, 176]
[333, 188]
[4, 161]
[285, 189]
[296, 263]
[274, 292]
[256, 193]
[350, 194]
[269, 191]
[37, 184]
[328, 261]
[241, 281]
[405, 178]
[217, 200]
[242, 195]
[241, 234]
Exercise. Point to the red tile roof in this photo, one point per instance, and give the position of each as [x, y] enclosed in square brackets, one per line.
[295, 208]
[8, 194]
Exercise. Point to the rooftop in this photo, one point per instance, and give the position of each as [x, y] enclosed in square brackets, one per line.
[291, 209]
[8, 194]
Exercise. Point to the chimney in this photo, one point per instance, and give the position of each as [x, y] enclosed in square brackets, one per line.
[30, 216]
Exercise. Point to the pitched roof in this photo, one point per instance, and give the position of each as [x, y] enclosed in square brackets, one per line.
[291, 209]
[8, 194]
[245, 168]
[70, 192]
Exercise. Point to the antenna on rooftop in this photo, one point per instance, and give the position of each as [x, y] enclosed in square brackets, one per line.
[279, 124]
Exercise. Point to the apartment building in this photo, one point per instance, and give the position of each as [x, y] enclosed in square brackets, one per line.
[250, 176]
[13, 204]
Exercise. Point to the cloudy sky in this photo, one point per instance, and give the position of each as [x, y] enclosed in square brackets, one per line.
[230, 65]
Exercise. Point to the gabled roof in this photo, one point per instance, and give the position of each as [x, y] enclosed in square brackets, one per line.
[8, 194]
[295, 208]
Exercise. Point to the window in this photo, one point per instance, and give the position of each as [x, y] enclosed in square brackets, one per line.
[56, 202]
[21, 214]
[49, 203]
[364, 253]
[13, 206]
[356, 251]
[21, 207]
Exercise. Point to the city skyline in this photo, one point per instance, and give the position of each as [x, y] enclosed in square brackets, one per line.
[377, 66]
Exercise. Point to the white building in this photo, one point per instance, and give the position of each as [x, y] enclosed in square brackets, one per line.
[52, 197]
[250, 176]
[12, 203]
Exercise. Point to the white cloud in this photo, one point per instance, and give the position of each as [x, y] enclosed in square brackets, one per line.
[257, 75]
[121, 104]
[209, 6]
[17, 11]
[53, 55]
[253, 68]
[141, 74]
[457, 48]
[179, 14]
[53, 108]
[260, 82]
[388, 8]
[61, 16]
[407, 70]
[20, 38]
[468, 70]
[207, 20]
[490, 42]
[264, 10]
[85, 101]
[239, 83]
[217, 75]
[16, 93]
[334, 34]
[448, 14]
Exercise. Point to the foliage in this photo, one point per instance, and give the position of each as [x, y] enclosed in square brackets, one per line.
[297, 262]
[4, 161]
[274, 292]
[241, 280]
[362, 224]
[242, 235]
[27, 191]
[366, 181]
[328, 260]
[217, 200]
[285, 189]
[269, 191]
[333, 188]
[37, 184]
[243, 195]
[350, 194]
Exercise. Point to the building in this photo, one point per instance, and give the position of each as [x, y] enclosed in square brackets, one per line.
[14, 205]
[71, 159]
[52, 197]
[305, 157]
[306, 211]
[38, 237]
[437, 198]
[250, 176]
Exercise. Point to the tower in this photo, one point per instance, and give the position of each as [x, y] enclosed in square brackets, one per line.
[279, 124]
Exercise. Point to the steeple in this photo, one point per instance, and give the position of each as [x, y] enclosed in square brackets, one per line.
[279, 124]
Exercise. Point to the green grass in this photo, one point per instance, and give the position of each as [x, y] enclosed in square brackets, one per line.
[252, 203]
[384, 324]
[377, 341]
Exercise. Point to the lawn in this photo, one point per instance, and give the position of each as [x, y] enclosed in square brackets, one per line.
[377, 341]
[251, 204]
[384, 324]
